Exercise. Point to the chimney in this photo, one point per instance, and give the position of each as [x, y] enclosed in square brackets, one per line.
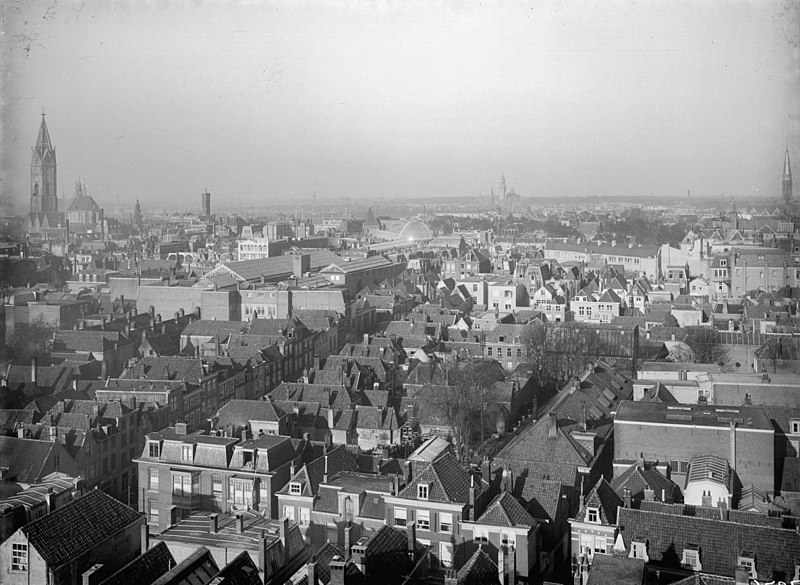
[450, 577]
[311, 571]
[316, 364]
[145, 537]
[240, 523]
[330, 418]
[181, 428]
[552, 425]
[501, 564]
[512, 565]
[584, 415]
[742, 576]
[213, 523]
[325, 475]
[411, 533]
[733, 444]
[366, 339]
[486, 470]
[649, 495]
[337, 570]
[471, 512]
[104, 369]
[627, 498]
[283, 532]
[34, 373]
[347, 529]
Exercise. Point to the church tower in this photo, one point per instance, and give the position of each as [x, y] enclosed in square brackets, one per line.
[787, 177]
[44, 198]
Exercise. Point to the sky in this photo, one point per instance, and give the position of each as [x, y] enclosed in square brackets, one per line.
[265, 103]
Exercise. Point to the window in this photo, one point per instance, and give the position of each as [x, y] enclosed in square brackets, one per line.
[242, 493]
[508, 352]
[480, 534]
[600, 544]
[639, 551]
[423, 520]
[216, 485]
[152, 511]
[182, 485]
[153, 450]
[593, 515]
[446, 554]
[400, 518]
[519, 352]
[691, 557]
[445, 522]
[19, 556]
[305, 516]
[422, 491]
[153, 484]
[186, 452]
[488, 351]
[288, 512]
[295, 488]
[796, 427]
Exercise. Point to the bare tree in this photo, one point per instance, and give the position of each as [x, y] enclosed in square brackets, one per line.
[705, 343]
[558, 352]
[464, 403]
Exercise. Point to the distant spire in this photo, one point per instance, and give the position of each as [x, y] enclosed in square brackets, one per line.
[787, 176]
[43, 139]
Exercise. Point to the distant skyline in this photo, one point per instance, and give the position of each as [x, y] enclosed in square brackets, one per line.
[263, 103]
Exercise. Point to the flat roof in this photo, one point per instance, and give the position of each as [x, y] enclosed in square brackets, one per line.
[745, 417]
[196, 530]
[677, 367]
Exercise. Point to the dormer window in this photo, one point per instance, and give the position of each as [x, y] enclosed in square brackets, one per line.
[295, 488]
[186, 452]
[795, 426]
[153, 449]
[423, 490]
[247, 458]
[691, 557]
[593, 515]
[639, 550]
[747, 561]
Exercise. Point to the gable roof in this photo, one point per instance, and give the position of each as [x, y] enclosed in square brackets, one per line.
[74, 529]
[449, 482]
[505, 510]
[145, 568]
[24, 460]
[604, 497]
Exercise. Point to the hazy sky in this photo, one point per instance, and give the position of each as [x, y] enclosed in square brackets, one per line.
[266, 102]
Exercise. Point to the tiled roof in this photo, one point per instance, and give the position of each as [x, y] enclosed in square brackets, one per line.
[327, 500]
[10, 417]
[23, 460]
[198, 567]
[239, 413]
[240, 571]
[71, 531]
[639, 477]
[611, 570]
[145, 568]
[374, 506]
[449, 482]
[311, 475]
[720, 542]
[604, 497]
[710, 467]
[168, 368]
[479, 570]
[505, 510]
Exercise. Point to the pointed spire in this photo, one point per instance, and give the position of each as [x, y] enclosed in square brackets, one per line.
[787, 167]
[43, 139]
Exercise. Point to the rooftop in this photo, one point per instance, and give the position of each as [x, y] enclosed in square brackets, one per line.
[745, 417]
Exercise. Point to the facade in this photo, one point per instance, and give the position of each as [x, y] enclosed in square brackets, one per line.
[66, 546]
[181, 473]
[677, 433]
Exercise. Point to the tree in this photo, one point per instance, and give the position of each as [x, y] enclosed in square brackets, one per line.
[705, 344]
[464, 403]
[29, 341]
[558, 352]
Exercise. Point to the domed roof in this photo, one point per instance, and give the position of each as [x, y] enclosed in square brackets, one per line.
[416, 231]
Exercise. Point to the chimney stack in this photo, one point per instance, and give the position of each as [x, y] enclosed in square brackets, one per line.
[512, 565]
[733, 443]
[34, 373]
[337, 570]
[240, 523]
[411, 532]
[145, 537]
[552, 425]
[311, 571]
[501, 564]
[213, 523]
[347, 529]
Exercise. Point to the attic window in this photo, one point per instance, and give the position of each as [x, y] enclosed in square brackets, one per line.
[295, 488]
[593, 515]
[747, 560]
[423, 491]
[691, 557]
[152, 449]
[186, 452]
[795, 424]
[639, 550]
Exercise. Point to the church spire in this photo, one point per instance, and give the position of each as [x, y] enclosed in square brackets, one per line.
[43, 139]
[787, 177]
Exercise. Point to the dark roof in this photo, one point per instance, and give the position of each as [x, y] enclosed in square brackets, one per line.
[449, 482]
[478, 570]
[639, 477]
[611, 570]
[604, 497]
[71, 531]
[24, 459]
[145, 568]
[198, 567]
[505, 510]
[240, 571]
[720, 542]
